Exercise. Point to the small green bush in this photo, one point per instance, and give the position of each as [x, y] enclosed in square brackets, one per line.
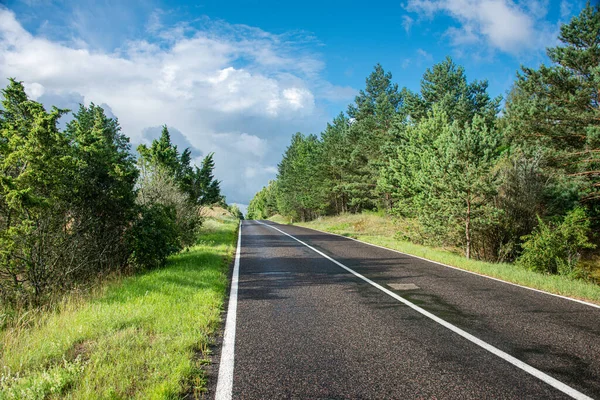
[554, 248]
[153, 237]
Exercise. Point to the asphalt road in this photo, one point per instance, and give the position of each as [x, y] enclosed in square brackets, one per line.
[306, 328]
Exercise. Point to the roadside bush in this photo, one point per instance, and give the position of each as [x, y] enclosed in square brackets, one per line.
[66, 198]
[554, 248]
[153, 237]
[517, 202]
[75, 207]
[236, 212]
[157, 186]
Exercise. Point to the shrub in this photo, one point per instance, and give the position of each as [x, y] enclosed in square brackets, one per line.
[153, 237]
[156, 186]
[554, 248]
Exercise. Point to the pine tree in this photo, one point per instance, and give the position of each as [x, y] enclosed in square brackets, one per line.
[371, 116]
[102, 197]
[460, 178]
[442, 174]
[35, 167]
[445, 86]
[300, 180]
[557, 107]
[206, 187]
[335, 162]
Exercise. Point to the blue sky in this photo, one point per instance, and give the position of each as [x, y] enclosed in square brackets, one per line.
[239, 78]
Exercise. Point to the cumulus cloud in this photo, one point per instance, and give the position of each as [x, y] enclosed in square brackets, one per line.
[501, 24]
[234, 90]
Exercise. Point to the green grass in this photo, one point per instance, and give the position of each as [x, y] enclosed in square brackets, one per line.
[376, 229]
[144, 337]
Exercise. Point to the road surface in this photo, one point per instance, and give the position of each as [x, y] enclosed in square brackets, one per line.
[319, 316]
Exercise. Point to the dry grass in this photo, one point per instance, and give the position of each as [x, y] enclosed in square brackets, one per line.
[215, 212]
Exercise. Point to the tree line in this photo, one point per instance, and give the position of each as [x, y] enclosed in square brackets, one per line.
[512, 182]
[76, 203]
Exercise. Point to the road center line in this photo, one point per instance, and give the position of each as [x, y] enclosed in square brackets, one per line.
[225, 380]
[505, 356]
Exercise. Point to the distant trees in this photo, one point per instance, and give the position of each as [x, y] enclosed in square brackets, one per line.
[264, 204]
[75, 204]
[461, 173]
[300, 180]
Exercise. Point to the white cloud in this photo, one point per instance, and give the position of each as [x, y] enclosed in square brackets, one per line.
[501, 24]
[34, 90]
[424, 55]
[565, 9]
[231, 89]
[407, 23]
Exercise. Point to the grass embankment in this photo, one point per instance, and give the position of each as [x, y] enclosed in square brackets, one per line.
[380, 230]
[145, 336]
[280, 219]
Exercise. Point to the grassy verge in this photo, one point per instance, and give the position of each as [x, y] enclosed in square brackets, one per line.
[144, 337]
[377, 229]
[280, 219]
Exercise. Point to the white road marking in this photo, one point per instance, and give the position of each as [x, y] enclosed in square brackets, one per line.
[403, 286]
[458, 269]
[225, 380]
[505, 356]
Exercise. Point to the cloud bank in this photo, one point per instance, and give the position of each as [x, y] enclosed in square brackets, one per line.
[234, 90]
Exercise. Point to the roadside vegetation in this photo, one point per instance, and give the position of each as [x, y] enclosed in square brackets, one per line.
[76, 205]
[382, 230]
[145, 336]
[113, 264]
[516, 184]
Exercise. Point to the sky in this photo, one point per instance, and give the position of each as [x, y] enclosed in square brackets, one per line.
[239, 78]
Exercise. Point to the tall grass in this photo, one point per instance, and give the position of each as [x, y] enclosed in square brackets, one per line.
[380, 230]
[143, 337]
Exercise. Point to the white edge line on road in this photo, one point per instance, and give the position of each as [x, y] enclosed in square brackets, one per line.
[225, 380]
[456, 268]
[505, 356]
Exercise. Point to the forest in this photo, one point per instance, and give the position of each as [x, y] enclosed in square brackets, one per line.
[76, 204]
[503, 180]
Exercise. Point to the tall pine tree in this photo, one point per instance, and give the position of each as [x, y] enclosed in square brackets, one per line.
[557, 107]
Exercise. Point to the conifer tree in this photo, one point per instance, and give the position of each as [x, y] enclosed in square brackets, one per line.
[371, 116]
[557, 107]
[300, 180]
[445, 86]
[335, 163]
[206, 187]
[35, 162]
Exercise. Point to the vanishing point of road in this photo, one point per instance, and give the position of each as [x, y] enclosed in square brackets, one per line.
[319, 316]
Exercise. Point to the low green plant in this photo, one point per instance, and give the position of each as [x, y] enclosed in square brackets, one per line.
[52, 382]
[555, 248]
[153, 237]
